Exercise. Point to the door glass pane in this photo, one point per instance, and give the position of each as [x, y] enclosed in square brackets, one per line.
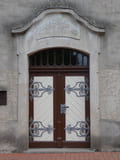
[44, 58]
[66, 57]
[38, 60]
[79, 59]
[75, 114]
[85, 61]
[51, 58]
[59, 57]
[73, 58]
[43, 109]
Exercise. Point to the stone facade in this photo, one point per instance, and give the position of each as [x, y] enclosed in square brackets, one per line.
[105, 66]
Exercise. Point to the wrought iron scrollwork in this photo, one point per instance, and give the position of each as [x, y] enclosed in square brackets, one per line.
[80, 89]
[37, 89]
[81, 129]
[37, 129]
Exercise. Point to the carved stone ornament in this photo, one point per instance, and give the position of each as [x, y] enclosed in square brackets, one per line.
[54, 22]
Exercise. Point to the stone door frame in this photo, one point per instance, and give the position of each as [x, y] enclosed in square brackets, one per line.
[80, 35]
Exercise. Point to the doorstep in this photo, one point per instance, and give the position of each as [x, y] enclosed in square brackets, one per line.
[58, 150]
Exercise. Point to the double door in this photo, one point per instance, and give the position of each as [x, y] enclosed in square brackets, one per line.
[59, 113]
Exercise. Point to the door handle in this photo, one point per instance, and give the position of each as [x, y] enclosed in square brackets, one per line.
[63, 108]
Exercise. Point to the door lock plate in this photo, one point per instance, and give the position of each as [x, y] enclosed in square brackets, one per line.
[63, 108]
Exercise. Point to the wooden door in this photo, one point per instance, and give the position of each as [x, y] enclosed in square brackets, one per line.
[59, 114]
[59, 110]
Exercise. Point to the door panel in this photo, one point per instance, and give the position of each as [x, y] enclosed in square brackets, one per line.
[76, 103]
[42, 119]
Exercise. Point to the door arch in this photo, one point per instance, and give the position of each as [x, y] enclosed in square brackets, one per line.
[59, 83]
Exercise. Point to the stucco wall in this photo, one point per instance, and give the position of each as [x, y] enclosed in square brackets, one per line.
[17, 13]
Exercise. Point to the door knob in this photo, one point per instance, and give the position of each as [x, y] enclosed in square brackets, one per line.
[63, 108]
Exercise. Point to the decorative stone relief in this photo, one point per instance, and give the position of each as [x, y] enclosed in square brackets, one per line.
[57, 25]
[53, 26]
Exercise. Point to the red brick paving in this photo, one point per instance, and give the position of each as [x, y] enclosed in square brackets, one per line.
[62, 156]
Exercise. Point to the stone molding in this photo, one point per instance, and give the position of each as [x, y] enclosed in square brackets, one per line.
[80, 19]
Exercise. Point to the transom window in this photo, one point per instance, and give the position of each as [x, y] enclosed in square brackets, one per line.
[59, 57]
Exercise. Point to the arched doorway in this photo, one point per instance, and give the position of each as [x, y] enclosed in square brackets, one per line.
[59, 110]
